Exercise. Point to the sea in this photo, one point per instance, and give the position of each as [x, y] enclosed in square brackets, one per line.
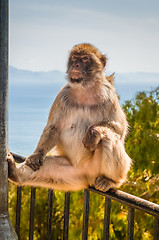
[27, 117]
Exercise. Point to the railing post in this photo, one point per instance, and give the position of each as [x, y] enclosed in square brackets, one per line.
[49, 214]
[18, 210]
[66, 216]
[6, 229]
[106, 218]
[156, 228]
[32, 211]
[85, 215]
[130, 223]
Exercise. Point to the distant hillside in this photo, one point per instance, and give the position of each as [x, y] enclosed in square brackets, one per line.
[27, 83]
[128, 84]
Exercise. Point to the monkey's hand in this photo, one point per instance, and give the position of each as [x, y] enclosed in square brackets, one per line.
[35, 160]
[91, 138]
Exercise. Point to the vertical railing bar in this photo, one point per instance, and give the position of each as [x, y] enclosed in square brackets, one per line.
[49, 213]
[18, 210]
[156, 228]
[106, 218]
[6, 228]
[32, 210]
[66, 216]
[85, 215]
[130, 223]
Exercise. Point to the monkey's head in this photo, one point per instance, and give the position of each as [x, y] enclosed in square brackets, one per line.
[85, 65]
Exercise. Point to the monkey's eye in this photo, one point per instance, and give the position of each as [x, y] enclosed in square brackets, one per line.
[85, 58]
[73, 59]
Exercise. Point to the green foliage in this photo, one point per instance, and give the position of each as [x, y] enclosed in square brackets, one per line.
[142, 142]
[142, 145]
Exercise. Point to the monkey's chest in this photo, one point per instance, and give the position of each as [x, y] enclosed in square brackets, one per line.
[71, 139]
[72, 133]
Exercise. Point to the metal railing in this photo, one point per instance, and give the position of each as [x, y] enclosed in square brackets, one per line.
[131, 201]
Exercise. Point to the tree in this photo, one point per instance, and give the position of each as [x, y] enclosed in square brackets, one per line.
[143, 140]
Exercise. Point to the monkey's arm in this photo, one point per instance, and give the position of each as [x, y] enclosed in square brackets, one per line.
[116, 126]
[47, 141]
[95, 133]
[114, 122]
[48, 138]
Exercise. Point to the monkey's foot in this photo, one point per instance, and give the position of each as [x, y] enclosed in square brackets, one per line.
[91, 138]
[35, 161]
[103, 183]
[10, 159]
[12, 175]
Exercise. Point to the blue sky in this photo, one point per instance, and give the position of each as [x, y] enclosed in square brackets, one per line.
[43, 31]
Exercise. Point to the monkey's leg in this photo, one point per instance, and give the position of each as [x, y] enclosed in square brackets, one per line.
[115, 162]
[56, 172]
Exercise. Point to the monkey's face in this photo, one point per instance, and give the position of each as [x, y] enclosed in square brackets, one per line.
[82, 68]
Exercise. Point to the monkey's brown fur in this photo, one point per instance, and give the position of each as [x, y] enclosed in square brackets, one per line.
[85, 132]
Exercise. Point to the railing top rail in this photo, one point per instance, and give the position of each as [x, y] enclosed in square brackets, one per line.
[130, 200]
[120, 196]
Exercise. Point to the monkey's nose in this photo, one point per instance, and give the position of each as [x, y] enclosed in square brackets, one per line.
[77, 65]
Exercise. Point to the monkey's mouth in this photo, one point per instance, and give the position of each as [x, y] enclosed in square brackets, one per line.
[76, 76]
[76, 80]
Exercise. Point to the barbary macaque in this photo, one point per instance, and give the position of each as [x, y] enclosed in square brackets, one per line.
[82, 144]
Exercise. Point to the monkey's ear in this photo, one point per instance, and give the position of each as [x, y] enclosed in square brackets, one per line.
[103, 60]
[111, 78]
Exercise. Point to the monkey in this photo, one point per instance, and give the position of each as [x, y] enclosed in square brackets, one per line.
[83, 142]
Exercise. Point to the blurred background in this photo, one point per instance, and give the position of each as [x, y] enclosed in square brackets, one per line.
[41, 35]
